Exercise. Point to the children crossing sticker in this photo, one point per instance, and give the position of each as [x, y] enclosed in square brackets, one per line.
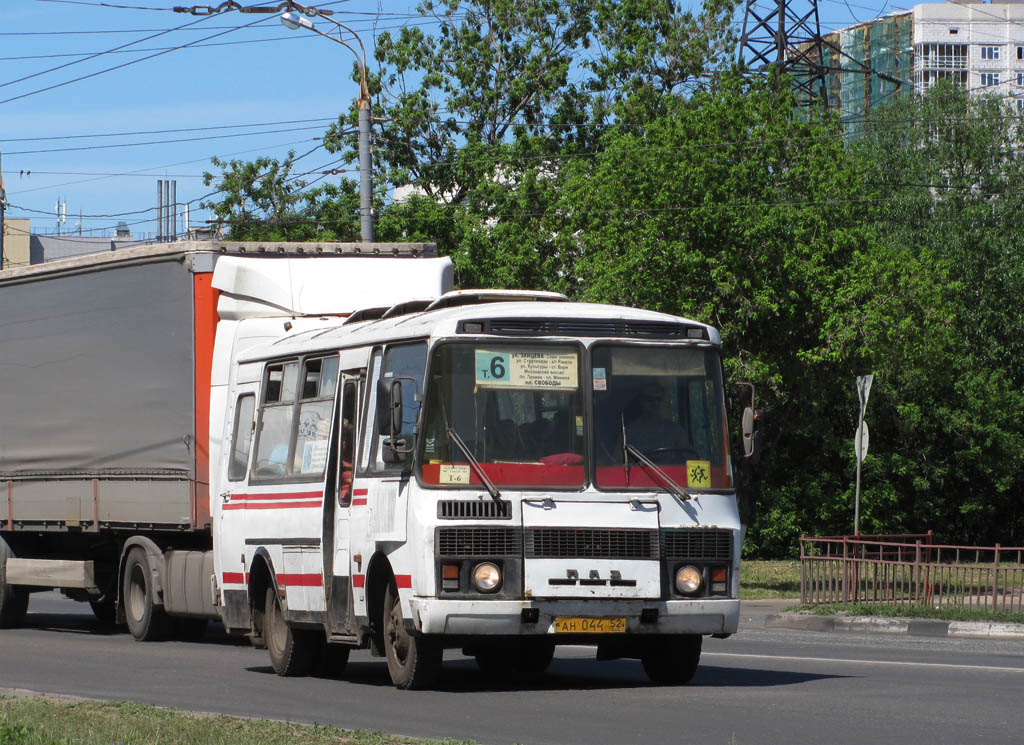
[698, 474]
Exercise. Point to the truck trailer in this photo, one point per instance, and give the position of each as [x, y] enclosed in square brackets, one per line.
[325, 447]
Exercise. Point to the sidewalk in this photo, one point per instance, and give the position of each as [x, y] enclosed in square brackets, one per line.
[771, 614]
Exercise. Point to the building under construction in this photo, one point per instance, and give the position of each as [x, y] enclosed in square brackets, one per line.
[977, 46]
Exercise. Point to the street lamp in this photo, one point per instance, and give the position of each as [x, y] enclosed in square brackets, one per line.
[294, 20]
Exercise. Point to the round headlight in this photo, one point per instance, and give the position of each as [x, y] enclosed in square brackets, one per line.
[688, 580]
[487, 577]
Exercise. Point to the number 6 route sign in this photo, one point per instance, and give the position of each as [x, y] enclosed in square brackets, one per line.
[527, 368]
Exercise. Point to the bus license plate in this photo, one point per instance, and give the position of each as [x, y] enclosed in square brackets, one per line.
[574, 625]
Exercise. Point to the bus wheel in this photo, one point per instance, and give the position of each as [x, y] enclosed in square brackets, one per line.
[13, 600]
[516, 657]
[413, 661]
[332, 661]
[672, 661]
[291, 650]
[146, 620]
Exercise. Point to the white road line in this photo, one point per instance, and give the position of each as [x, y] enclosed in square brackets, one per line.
[833, 661]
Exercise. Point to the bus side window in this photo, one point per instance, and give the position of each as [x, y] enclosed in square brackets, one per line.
[295, 420]
[241, 438]
[348, 434]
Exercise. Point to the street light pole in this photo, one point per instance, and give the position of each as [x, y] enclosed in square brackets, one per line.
[294, 20]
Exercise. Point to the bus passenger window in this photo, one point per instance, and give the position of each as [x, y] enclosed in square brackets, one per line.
[241, 438]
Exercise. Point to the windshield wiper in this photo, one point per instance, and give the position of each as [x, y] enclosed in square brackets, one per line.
[666, 481]
[475, 464]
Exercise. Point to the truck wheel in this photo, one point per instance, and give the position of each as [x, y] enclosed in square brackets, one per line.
[146, 620]
[673, 661]
[13, 600]
[292, 651]
[413, 661]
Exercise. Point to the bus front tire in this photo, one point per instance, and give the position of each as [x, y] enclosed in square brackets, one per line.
[674, 660]
[413, 661]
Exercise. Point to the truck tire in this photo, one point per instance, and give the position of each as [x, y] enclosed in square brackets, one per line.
[674, 660]
[13, 600]
[146, 620]
[292, 651]
[413, 661]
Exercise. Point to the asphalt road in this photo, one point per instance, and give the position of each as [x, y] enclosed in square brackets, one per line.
[760, 686]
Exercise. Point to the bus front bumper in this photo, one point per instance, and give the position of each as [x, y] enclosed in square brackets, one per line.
[538, 617]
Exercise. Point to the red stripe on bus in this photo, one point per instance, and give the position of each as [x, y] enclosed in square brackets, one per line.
[403, 581]
[300, 580]
[360, 492]
[273, 505]
[358, 502]
[235, 578]
[358, 580]
[278, 495]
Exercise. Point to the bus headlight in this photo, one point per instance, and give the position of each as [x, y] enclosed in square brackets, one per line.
[487, 577]
[688, 580]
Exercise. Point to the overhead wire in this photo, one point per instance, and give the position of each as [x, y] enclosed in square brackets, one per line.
[167, 131]
[97, 54]
[132, 62]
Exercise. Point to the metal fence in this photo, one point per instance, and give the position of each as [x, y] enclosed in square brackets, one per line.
[910, 569]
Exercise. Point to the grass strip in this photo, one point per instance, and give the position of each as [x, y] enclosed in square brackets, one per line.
[54, 721]
[889, 610]
[760, 580]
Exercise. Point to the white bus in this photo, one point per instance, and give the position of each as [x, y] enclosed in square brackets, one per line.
[497, 472]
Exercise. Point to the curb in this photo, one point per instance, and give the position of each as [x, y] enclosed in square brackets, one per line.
[896, 626]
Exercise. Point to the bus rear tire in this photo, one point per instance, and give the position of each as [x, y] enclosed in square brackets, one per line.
[413, 661]
[13, 600]
[672, 661]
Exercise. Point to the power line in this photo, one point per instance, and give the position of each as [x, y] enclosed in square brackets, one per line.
[168, 131]
[140, 171]
[94, 56]
[160, 142]
[132, 62]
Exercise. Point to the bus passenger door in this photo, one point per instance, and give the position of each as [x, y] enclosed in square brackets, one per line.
[337, 541]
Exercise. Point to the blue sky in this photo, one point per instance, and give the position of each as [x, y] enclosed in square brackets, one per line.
[293, 83]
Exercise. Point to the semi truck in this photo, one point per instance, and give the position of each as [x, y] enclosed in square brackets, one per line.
[326, 447]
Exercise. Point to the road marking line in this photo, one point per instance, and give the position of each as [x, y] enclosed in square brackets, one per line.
[834, 660]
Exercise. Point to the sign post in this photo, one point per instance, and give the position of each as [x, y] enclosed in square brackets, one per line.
[860, 442]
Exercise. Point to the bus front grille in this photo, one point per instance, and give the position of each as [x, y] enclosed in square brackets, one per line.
[479, 542]
[591, 543]
[698, 544]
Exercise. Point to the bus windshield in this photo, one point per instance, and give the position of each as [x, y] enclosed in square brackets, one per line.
[665, 403]
[517, 408]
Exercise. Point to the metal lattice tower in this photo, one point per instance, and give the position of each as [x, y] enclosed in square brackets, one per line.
[785, 36]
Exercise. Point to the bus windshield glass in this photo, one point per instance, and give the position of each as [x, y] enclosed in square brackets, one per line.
[517, 408]
[665, 403]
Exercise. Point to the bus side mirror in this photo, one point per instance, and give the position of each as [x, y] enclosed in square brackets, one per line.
[395, 407]
[390, 420]
[753, 435]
